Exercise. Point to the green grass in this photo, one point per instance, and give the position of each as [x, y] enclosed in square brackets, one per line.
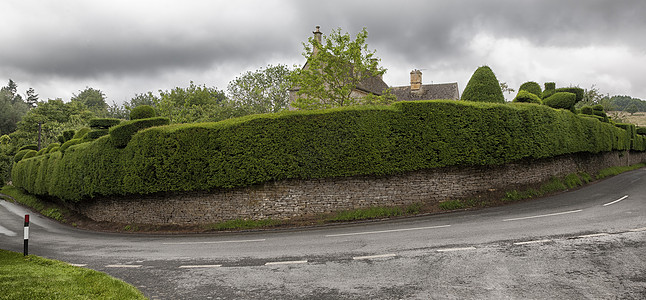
[612, 171]
[244, 224]
[374, 213]
[34, 277]
[35, 203]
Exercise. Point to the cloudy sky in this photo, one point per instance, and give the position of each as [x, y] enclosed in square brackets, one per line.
[125, 47]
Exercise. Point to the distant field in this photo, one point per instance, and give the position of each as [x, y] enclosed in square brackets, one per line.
[638, 118]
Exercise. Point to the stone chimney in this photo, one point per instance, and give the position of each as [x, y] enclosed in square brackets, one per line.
[317, 37]
[415, 80]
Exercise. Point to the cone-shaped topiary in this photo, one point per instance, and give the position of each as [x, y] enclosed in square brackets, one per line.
[531, 87]
[483, 87]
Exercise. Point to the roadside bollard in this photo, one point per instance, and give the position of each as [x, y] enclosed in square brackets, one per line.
[26, 251]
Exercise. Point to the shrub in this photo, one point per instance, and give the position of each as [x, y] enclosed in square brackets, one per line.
[572, 180]
[54, 149]
[527, 97]
[81, 133]
[587, 110]
[142, 112]
[95, 134]
[29, 154]
[562, 100]
[103, 123]
[579, 92]
[641, 130]
[531, 87]
[483, 87]
[29, 147]
[550, 86]
[70, 143]
[68, 135]
[598, 107]
[19, 155]
[120, 135]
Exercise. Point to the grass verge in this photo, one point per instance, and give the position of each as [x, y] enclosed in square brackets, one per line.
[45, 209]
[33, 277]
[612, 171]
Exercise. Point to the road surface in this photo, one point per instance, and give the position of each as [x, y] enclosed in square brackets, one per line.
[584, 244]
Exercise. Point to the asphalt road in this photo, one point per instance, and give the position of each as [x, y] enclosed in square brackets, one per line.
[584, 244]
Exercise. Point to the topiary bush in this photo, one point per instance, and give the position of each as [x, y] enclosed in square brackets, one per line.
[120, 135]
[587, 110]
[81, 133]
[531, 87]
[579, 92]
[483, 87]
[641, 130]
[562, 100]
[70, 143]
[103, 123]
[550, 86]
[95, 134]
[30, 147]
[527, 97]
[142, 112]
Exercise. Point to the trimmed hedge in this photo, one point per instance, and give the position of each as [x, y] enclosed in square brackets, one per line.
[29, 147]
[641, 130]
[527, 97]
[367, 140]
[120, 135]
[549, 86]
[483, 87]
[70, 143]
[142, 112]
[562, 100]
[103, 123]
[587, 110]
[81, 133]
[95, 134]
[531, 87]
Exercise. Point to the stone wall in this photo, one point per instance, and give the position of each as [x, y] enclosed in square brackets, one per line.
[294, 198]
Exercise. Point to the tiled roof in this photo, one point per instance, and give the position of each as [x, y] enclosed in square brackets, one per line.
[427, 92]
[374, 85]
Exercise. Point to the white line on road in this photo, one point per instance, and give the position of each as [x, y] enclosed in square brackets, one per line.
[123, 266]
[613, 202]
[638, 229]
[387, 231]
[78, 265]
[592, 235]
[532, 242]
[289, 262]
[374, 256]
[199, 266]
[215, 242]
[547, 215]
[6, 231]
[455, 249]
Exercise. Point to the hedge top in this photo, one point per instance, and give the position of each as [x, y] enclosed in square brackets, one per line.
[369, 140]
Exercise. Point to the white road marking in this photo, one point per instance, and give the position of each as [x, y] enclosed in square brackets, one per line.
[592, 235]
[547, 215]
[613, 202]
[289, 262]
[532, 242]
[455, 249]
[638, 229]
[78, 265]
[123, 266]
[374, 256]
[200, 266]
[6, 231]
[387, 231]
[215, 242]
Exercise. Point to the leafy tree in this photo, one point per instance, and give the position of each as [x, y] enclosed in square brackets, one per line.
[262, 91]
[632, 109]
[333, 71]
[32, 98]
[93, 99]
[483, 87]
[12, 108]
[187, 105]
[55, 117]
[505, 88]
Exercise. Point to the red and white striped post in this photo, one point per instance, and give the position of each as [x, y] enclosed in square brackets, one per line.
[26, 251]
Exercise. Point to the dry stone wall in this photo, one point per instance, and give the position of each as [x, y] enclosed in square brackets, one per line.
[296, 198]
